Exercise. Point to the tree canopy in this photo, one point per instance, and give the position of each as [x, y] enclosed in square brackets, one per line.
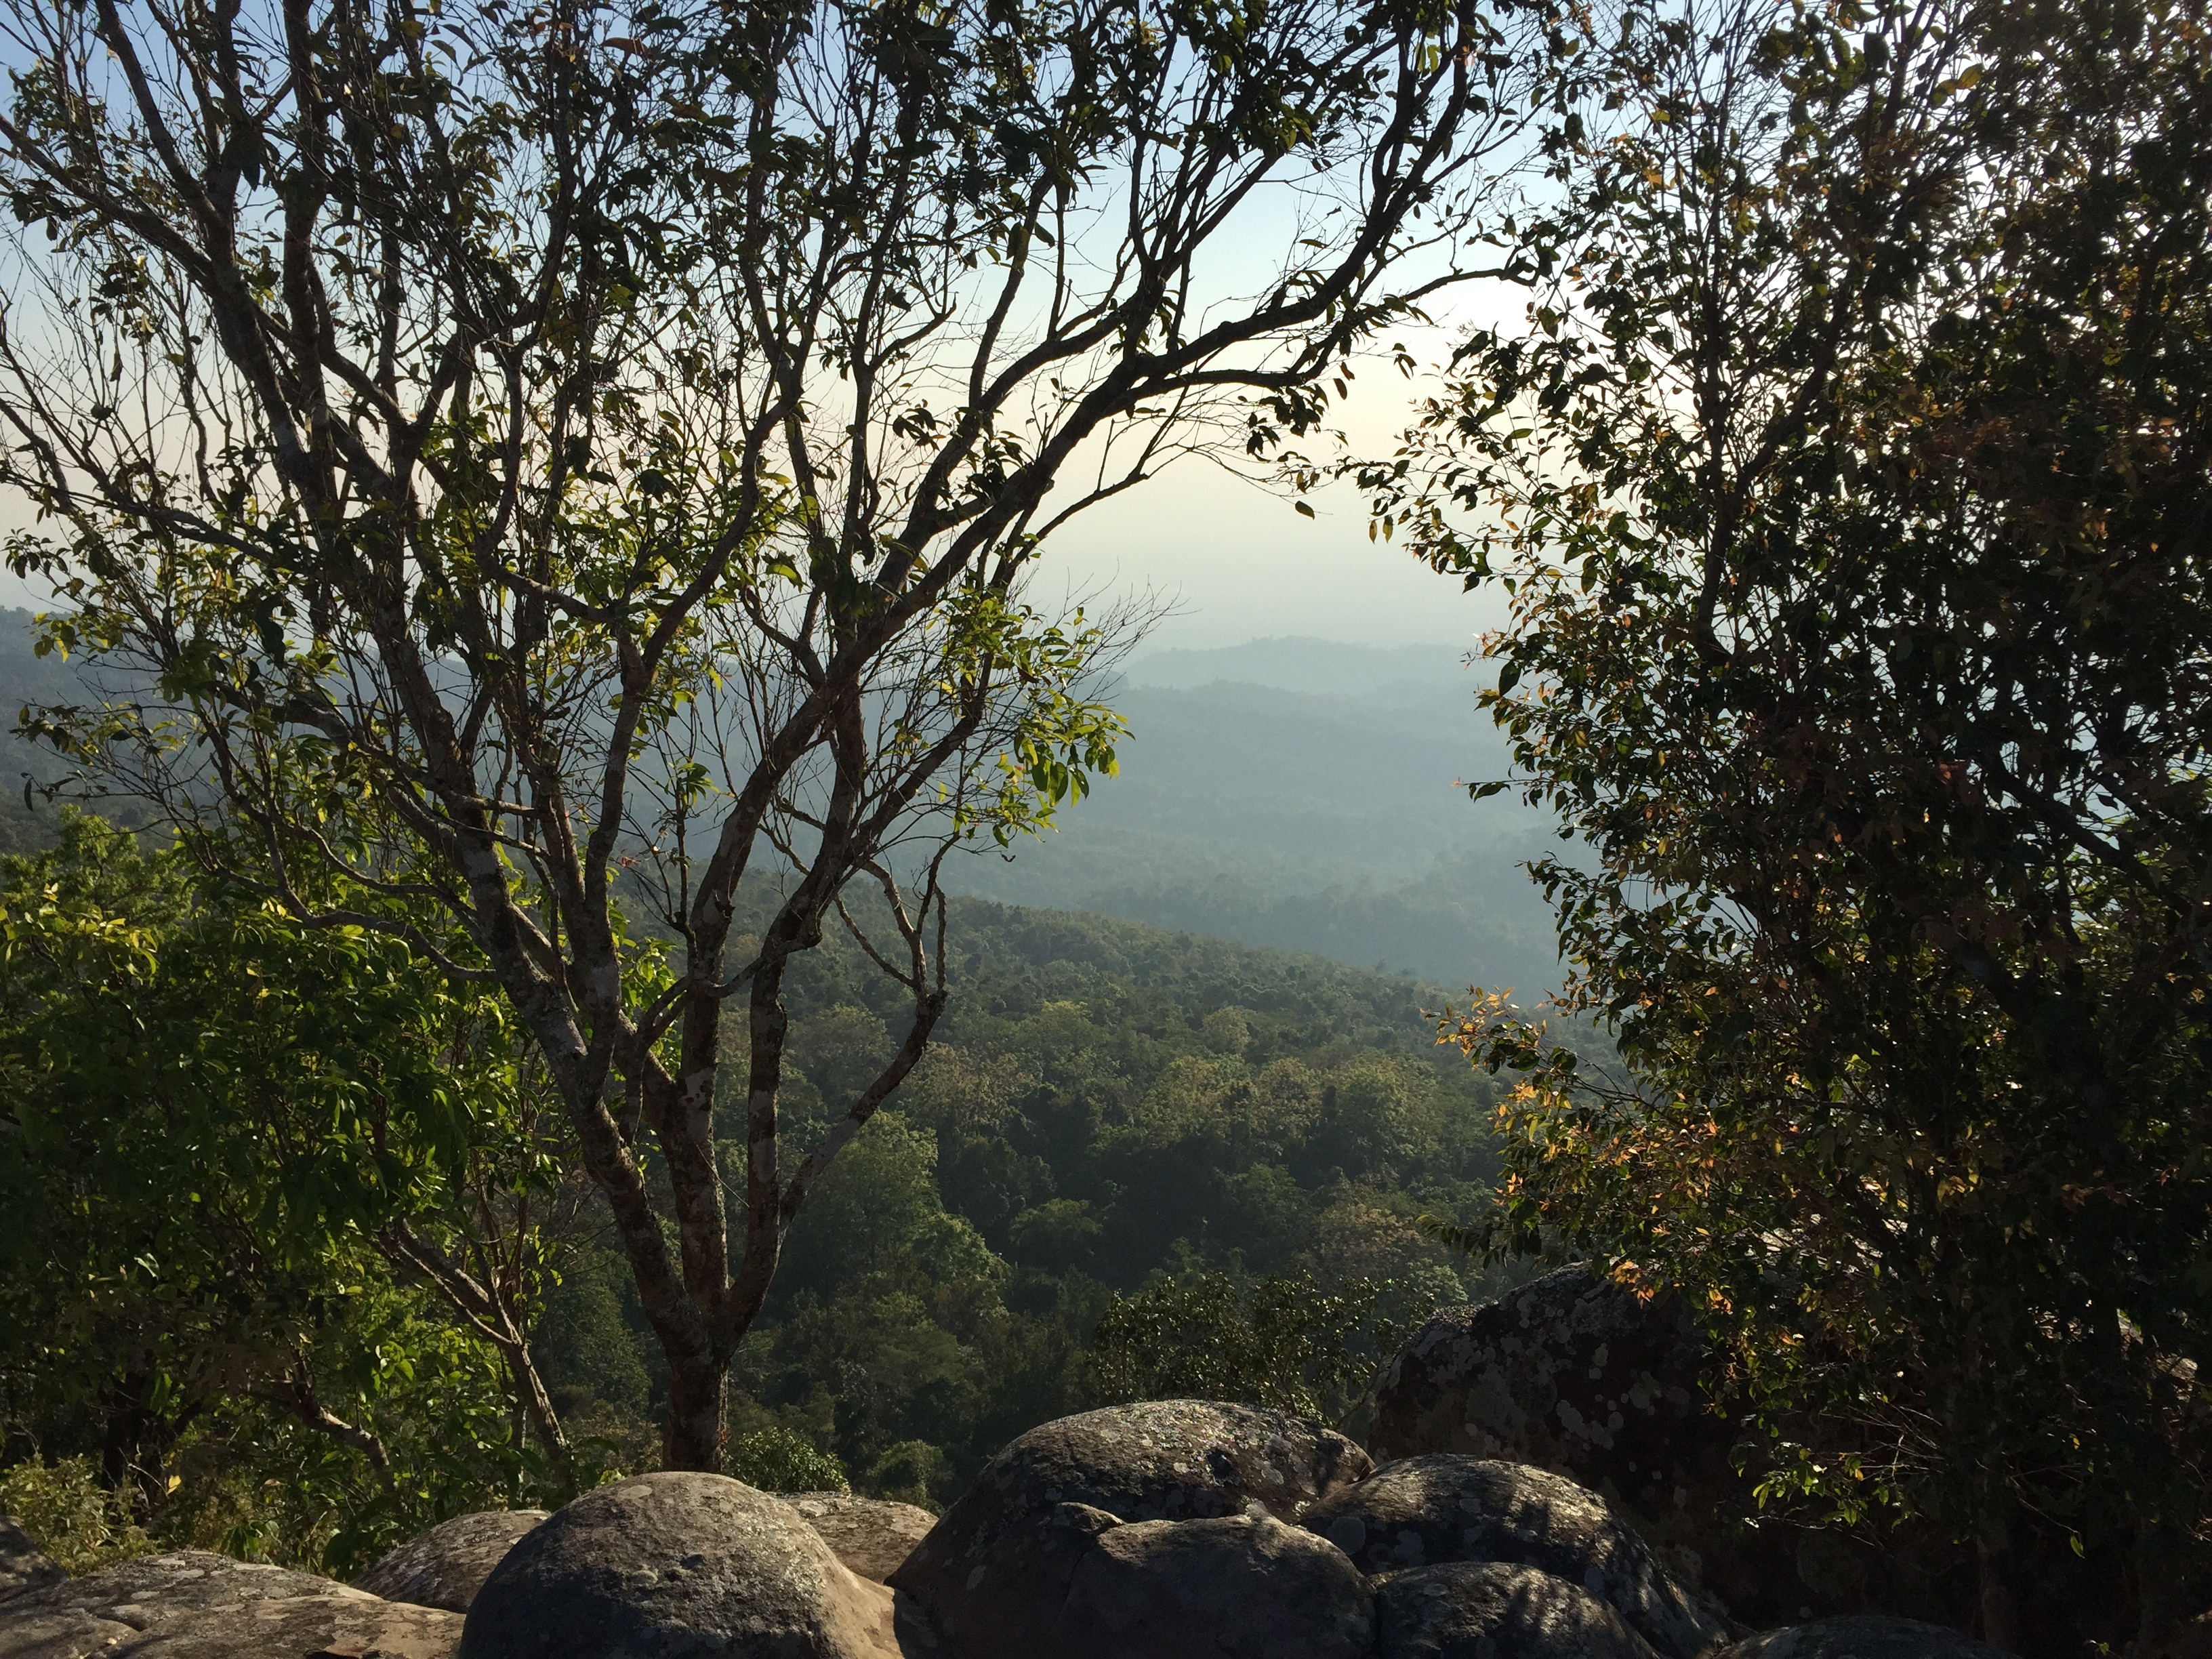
[536, 454]
[1849, 480]
[277, 1202]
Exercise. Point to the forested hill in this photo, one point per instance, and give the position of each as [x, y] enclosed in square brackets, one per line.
[1107, 1104]
[1298, 793]
[1109, 1101]
[1303, 793]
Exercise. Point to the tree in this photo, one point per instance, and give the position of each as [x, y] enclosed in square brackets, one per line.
[229, 1148]
[1282, 1342]
[539, 454]
[1849, 480]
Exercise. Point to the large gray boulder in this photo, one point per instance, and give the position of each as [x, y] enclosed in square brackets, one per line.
[23, 1566]
[1423, 1511]
[995, 1572]
[1573, 1374]
[1237, 1586]
[676, 1567]
[191, 1605]
[1497, 1610]
[872, 1536]
[446, 1565]
[1861, 1636]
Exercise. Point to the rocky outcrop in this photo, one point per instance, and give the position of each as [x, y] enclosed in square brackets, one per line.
[994, 1574]
[1573, 1374]
[871, 1536]
[191, 1605]
[1237, 1586]
[1423, 1511]
[674, 1565]
[446, 1565]
[1497, 1610]
[1862, 1637]
[24, 1566]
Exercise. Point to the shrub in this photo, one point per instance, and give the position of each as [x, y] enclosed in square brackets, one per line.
[70, 1515]
[777, 1460]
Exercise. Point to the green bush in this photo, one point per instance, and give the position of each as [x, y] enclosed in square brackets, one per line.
[911, 1472]
[69, 1515]
[1283, 1342]
[777, 1460]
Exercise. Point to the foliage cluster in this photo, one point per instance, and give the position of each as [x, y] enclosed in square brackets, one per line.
[1282, 1340]
[233, 1152]
[66, 1510]
[1848, 477]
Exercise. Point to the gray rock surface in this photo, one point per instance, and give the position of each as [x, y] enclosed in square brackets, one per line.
[1444, 1507]
[1861, 1636]
[23, 1566]
[1240, 1587]
[191, 1605]
[1496, 1610]
[1572, 1374]
[446, 1565]
[994, 1573]
[871, 1536]
[676, 1567]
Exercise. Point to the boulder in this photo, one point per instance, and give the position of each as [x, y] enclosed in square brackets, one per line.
[1573, 1374]
[191, 1605]
[1861, 1636]
[23, 1566]
[676, 1565]
[994, 1573]
[1237, 1586]
[1496, 1610]
[1423, 1511]
[446, 1565]
[872, 1535]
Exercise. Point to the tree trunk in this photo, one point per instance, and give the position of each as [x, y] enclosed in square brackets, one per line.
[696, 1425]
[2001, 1624]
[133, 1447]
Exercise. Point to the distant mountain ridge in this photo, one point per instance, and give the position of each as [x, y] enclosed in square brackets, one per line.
[1317, 667]
[1305, 794]
[1296, 794]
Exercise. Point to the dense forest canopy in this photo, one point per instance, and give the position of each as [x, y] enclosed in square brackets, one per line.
[232, 1144]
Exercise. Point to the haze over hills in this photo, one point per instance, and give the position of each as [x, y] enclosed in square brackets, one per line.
[1298, 793]
[1305, 793]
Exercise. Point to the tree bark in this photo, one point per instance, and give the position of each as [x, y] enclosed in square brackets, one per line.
[2000, 1623]
[697, 1425]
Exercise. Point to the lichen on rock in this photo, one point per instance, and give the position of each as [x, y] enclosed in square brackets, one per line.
[446, 1565]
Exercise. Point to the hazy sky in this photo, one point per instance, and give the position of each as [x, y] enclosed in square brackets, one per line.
[1231, 557]
[1240, 564]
